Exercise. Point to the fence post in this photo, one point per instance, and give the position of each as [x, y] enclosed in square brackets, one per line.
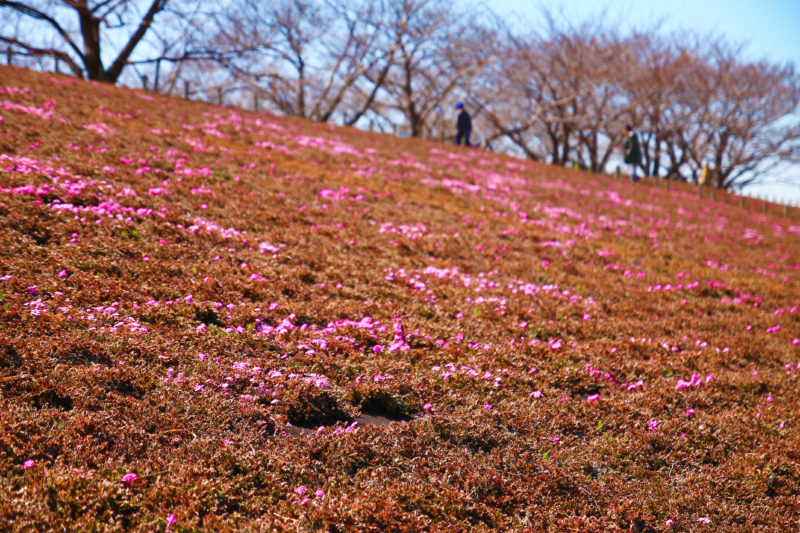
[786, 209]
[9, 56]
[617, 172]
[255, 101]
[219, 95]
[186, 89]
[741, 200]
[144, 82]
[766, 205]
[57, 66]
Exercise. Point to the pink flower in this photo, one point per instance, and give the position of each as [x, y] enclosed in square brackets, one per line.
[171, 520]
[652, 425]
[300, 490]
[704, 520]
[62, 274]
[427, 407]
[689, 412]
[487, 406]
[27, 464]
[129, 478]
[782, 425]
[537, 394]
[634, 386]
[670, 522]
[319, 493]
[592, 397]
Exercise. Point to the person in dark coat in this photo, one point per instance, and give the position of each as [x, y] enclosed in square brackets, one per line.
[633, 152]
[463, 125]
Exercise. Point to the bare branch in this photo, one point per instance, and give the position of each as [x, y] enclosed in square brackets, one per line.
[29, 11]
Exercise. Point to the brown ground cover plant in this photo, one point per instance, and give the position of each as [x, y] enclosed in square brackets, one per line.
[221, 320]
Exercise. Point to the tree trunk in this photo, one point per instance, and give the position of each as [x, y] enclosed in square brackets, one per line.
[657, 157]
[301, 88]
[90, 30]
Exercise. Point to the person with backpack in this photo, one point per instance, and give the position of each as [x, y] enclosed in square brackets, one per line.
[633, 152]
[463, 125]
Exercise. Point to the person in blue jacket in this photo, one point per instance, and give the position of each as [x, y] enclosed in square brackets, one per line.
[463, 125]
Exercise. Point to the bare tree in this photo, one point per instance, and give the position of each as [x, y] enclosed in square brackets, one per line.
[511, 98]
[437, 51]
[556, 95]
[307, 58]
[81, 46]
[748, 124]
[713, 107]
[178, 40]
[598, 55]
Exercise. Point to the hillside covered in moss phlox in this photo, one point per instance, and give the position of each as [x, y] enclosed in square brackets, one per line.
[215, 319]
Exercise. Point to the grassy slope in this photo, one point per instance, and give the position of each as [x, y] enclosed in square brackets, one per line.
[152, 333]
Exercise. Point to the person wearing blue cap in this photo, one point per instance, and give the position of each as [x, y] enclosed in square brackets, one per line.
[463, 125]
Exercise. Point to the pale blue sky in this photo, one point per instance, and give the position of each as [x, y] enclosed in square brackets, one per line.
[769, 28]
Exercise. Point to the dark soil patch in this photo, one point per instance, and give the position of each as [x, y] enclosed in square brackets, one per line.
[53, 399]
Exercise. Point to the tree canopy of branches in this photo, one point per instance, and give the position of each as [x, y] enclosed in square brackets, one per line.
[396, 61]
[307, 58]
[438, 51]
[565, 95]
[48, 28]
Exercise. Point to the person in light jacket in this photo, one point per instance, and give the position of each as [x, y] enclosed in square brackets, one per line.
[705, 174]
